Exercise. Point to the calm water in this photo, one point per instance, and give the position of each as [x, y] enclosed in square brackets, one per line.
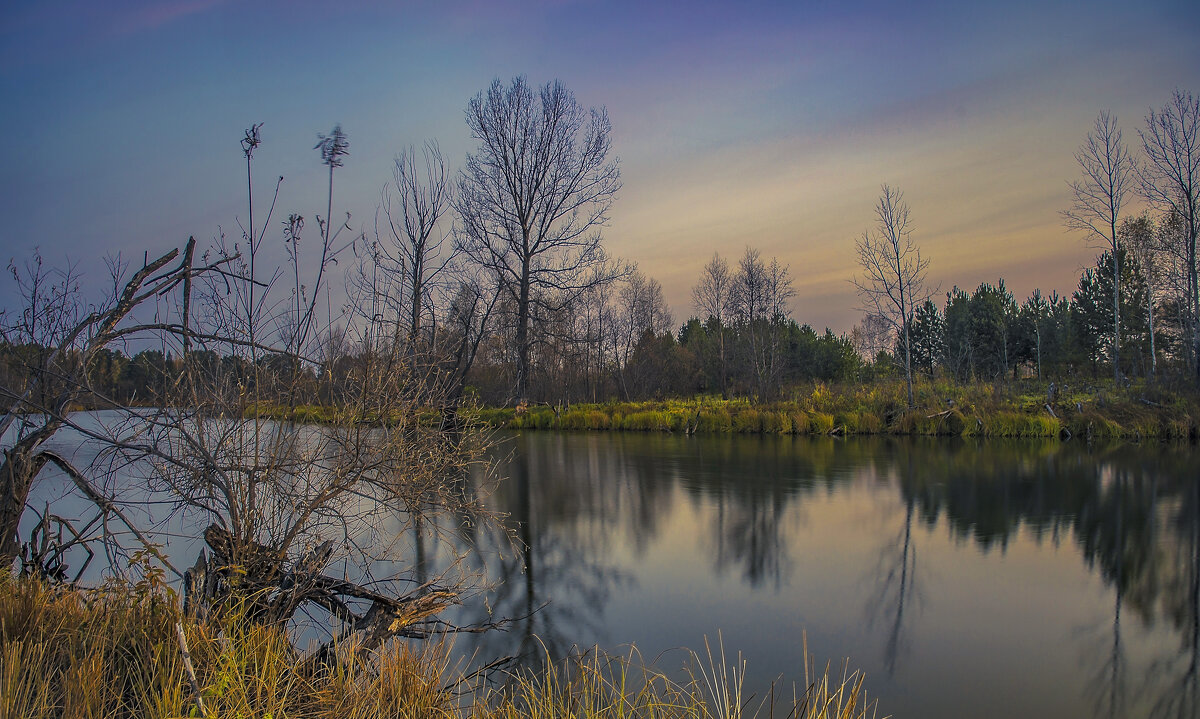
[966, 579]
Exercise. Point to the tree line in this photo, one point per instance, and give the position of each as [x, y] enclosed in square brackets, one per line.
[619, 341]
[1139, 303]
[565, 322]
[493, 281]
[987, 334]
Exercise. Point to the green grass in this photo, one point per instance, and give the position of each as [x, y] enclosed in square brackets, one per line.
[942, 408]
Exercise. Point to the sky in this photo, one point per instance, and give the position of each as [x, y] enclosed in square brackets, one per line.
[769, 125]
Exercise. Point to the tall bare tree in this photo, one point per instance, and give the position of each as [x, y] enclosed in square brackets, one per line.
[760, 293]
[642, 308]
[893, 281]
[534, 196]
[1108, 176]
[415, 203]
[1170, 180]
[713, 296]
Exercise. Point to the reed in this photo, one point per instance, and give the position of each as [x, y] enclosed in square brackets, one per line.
[596, 685]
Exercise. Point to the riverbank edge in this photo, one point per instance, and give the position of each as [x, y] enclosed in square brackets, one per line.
[1142, 411]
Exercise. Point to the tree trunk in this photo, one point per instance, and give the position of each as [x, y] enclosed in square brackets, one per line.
[1150, 312]
[523, 335]
[721, 344]
[1192, 286]
[1116, 306]
[907, 359]
[21, 466]
[1037, 331]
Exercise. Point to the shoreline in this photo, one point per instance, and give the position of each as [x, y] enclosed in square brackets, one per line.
[1023, 409]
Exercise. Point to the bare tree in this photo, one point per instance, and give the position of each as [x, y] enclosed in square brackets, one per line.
[642, 309]
[414, 205]
[533, 197]
[280, 500]
[1170, 181]
[893, 282]
[65, 342]
[871, 336]
[597, 327]
[713, 296]
[1170, 256]
[465, 328]
[644, 305]
[1108, 175]
[760, 292]
[750, 287]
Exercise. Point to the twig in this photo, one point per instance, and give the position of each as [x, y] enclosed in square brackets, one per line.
[191, 671]
[107, 505]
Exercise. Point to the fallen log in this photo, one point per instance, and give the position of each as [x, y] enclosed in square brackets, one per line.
[263, 585]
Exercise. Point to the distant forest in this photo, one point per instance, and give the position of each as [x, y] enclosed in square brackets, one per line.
[492, 284]
[622, 344]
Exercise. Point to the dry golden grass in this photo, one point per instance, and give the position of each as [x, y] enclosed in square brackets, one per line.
[113, 652]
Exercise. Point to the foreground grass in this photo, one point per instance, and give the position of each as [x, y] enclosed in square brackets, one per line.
[115, 652]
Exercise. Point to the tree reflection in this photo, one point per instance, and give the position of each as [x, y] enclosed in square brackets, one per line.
[1111, 501]
[575, 503]
[758, 484]
[546, 562]
[896, 587]
[1173, 678]
[895, 573]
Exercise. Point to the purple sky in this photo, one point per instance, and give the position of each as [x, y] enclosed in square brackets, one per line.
[763, 124]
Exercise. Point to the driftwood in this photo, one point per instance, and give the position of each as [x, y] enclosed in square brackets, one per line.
[44, 555]
[270, 589]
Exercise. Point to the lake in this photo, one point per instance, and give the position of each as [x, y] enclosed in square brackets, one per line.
[966, 578]
[983, 579]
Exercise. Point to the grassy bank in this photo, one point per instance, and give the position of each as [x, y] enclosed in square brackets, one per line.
[942, 409]
[1012, 410]
[115, 652]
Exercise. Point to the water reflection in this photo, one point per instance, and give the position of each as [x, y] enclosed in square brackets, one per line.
[624, 538]
[546, 562]
[987, 579]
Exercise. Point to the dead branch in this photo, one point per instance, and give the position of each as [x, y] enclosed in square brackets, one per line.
[106, 504]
